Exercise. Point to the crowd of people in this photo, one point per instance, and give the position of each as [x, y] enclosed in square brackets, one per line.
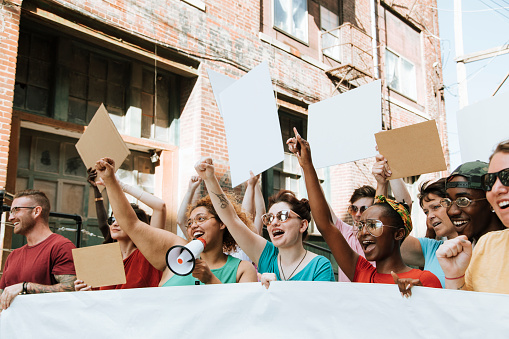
[467, 216]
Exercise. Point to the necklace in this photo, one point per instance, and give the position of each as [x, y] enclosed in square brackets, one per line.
[291, 275]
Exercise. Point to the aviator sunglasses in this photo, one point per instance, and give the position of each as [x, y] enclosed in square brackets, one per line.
[488, 180]
[282, 216]
[352, 209]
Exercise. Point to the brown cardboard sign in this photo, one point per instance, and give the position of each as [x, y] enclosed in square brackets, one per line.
[412, 150]
[101, 139]
[100, 265]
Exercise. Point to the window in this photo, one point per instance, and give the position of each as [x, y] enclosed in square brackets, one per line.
[400, 74]
[68, 79]
[33, 73]
[291, 16]
[329, 23]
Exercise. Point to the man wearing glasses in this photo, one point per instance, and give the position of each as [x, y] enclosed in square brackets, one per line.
[466, 202]
[45, 263]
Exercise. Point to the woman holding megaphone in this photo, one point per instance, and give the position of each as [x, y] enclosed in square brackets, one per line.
[285, 257]
[214, 267]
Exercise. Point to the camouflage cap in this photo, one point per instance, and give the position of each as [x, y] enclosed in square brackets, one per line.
[472, 171]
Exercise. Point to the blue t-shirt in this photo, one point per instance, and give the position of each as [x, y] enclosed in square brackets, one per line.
[318, 269]
[429, 248]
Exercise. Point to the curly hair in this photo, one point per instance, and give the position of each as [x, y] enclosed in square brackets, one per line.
[229, 244]
[301, 207]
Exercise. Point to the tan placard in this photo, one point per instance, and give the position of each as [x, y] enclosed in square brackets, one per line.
[100, 265]
[412, 150]
[101, 139]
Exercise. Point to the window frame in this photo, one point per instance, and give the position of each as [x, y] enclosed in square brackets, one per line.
[411, 96]
[289, 34]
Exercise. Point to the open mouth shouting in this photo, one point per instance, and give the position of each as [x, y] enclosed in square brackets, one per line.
[277, 233]
[197, 234]
[368, 245]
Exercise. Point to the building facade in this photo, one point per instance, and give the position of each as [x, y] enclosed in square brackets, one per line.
[147, 61]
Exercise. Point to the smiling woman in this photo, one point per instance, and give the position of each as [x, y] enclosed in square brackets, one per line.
[486, 270]
[287, 221]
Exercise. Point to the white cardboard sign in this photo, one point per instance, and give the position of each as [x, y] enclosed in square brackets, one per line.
[342, 128]
[481, 126]
[251, 122]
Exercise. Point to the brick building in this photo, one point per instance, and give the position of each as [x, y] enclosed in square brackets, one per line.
[147, 62]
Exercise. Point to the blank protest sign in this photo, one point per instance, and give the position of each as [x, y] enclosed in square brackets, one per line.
[481, 126]
[251, 122]
[342, 128]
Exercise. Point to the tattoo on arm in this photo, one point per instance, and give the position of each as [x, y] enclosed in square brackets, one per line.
[222, 199]
[65, 284]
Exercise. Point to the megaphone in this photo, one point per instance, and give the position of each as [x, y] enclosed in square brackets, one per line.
[181, 259]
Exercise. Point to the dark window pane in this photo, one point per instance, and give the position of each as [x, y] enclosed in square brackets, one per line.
[98, 67]
[91, 109]
[97, 90]
[24, 44]
[148, 81]
[80, 60]
[47, 155]
[19, 95]
[77, 110]
[41, 49]
[115, 95]
[116, 72]
[37, 99]
[24, 153]
[146, 125]
[22, 69]
[78, 85]
[39, 73]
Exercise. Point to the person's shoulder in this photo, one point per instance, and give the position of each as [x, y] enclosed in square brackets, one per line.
[428, 242]
[58, 239]
[428, 279]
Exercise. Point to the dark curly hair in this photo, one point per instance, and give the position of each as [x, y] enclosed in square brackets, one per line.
[229, 243]
[301, 207]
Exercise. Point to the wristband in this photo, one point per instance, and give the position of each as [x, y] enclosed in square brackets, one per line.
[455, 278]
[24, 290]
[99, 199]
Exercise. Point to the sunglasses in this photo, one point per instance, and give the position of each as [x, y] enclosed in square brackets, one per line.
[111, 220]
[488, 180]
[460, 202]
[352, 209]
[373, 226]
[282, 216]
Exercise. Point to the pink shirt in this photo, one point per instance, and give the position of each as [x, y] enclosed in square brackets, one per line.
[354, 243]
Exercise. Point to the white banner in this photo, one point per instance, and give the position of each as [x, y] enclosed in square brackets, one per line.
[285, 310]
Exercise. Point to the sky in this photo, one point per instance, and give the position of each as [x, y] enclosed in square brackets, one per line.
[483, 28]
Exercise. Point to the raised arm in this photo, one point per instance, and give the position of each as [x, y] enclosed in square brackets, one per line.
[382, 172]
[158, 206]
[251, 243]
[343, 253]
[152, 242]
[194, 183]
[454, 256]
[102, 214]
[254, 203]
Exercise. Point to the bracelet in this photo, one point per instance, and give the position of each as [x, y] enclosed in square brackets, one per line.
[99, 199]
[24, 291]
[455, 278]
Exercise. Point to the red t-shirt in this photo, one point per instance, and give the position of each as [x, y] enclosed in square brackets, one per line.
[366, 273]
[39, 263]
[138, 273]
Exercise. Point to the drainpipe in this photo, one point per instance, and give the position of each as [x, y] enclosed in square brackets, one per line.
[374, 37]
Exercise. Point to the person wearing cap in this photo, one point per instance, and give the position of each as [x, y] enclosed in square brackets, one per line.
[484, 270]
[381, 230]
[466, 202]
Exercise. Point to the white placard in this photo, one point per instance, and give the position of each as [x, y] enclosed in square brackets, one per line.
[287, 309]
[251, 124]
[219, 83]
[481, 126]
[342, 128]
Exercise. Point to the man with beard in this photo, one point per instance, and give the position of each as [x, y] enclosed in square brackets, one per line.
[45, 263]
[466, 202]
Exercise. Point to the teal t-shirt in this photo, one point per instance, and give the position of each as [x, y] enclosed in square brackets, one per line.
[429, 248]
[226, 274]
[318, 269]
